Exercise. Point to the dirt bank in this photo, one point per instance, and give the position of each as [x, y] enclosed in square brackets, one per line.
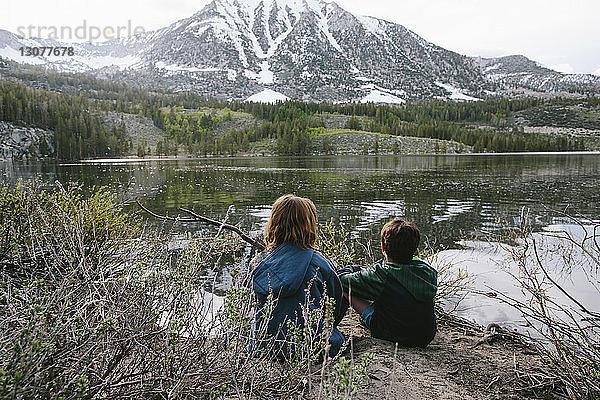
[463, 362]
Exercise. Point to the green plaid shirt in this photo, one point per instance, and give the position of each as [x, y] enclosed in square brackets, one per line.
[417, 277]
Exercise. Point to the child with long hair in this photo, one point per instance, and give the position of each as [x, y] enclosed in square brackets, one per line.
[300, 279]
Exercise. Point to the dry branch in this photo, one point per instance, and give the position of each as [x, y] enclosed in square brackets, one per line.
[200, 218]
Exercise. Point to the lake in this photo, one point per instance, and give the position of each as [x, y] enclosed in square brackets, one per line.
[452, 198]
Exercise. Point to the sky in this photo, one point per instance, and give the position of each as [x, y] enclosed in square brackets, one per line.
[561, 34]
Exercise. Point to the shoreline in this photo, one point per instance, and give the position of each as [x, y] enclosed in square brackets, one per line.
[465, 361]
[256, 156]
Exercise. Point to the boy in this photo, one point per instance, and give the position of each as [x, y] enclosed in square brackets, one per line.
[395, 299]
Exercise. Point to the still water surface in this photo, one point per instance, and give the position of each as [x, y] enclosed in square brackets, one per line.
[451, 198]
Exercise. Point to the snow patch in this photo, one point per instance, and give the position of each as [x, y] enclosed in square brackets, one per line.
[371, 25]
[231, 74]
[178, 68]
[492, 67]
[596, 72]
[267, 96]
[97, 62]
[265, 76]
[15, 55]
[79, 63]
[325, 29]
[563, 68]
[456, 93]
[377, 96]
[306, 74]
[230, 25]
[323, 23]
[250, 8]
[201, 30]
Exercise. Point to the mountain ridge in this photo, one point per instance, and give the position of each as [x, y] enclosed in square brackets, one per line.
[309, 50]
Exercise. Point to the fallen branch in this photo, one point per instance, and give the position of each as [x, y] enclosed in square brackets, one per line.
[199, 218]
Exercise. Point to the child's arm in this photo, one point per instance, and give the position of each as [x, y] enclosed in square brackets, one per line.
[367, 283]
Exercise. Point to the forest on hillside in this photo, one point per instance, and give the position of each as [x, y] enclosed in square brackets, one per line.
[72, 106]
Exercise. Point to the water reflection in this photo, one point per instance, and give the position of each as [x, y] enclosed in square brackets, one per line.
[492, 268]
[449, 197]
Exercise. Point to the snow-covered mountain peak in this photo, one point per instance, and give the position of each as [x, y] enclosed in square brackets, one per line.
[301, 49]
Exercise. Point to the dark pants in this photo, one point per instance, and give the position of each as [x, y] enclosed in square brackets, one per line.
[399, 317]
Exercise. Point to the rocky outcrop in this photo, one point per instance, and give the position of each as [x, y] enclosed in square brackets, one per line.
[138, 128]
[21, 143]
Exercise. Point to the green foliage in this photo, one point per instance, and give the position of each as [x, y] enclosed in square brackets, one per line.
[233, 314]
[307, 343]
[336, 244]
[433, 119]
[365, 149]
[293, 143]
[74, 115]
[194, 130]
[354, 124]
[78, 130]
[89, 301]
[347, 377]
[569, 115]
[326, 146]
[170, 147]
[59, 252]
[36, 221]
[218, 393]
[142, 149]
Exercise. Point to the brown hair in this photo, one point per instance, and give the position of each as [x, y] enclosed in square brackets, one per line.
[293, 220]
[400, 239]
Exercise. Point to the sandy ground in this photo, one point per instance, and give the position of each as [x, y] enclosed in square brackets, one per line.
[458, 364]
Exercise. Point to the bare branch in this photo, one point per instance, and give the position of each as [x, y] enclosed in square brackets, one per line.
[559, 287]
[200, 218]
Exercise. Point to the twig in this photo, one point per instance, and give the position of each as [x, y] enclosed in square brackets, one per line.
[496, 379]
[559, 287]
[199, 218]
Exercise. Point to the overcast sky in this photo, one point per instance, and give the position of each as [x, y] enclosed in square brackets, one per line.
[563, 34]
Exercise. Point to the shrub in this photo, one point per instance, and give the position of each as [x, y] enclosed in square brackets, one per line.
[568, 332]
[95, 305]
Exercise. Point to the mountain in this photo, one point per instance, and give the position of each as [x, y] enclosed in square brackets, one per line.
[302, 49]
[519, 72]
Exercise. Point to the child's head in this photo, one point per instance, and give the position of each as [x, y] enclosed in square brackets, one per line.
[399, 240]
[293, 220]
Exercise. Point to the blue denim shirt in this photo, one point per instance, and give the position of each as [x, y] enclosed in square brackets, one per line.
[296, 277]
